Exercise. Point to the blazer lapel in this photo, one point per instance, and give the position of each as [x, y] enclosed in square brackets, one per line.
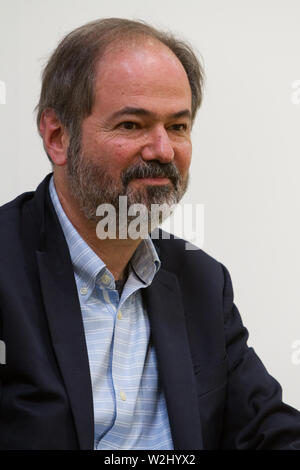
[67, 331]
[166, 315]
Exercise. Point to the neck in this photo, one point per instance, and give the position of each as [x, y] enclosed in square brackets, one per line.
[116, 254]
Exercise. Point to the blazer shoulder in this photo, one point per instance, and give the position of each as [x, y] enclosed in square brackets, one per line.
[12, 213]
[21, 210]
[179, 256]
[14, 207]
[16, 227]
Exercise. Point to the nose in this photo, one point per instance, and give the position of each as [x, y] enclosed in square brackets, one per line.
[158, 146]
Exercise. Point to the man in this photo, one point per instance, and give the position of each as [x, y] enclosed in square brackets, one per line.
[122, 342]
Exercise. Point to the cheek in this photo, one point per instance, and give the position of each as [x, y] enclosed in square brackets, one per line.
[120, 154]
[183, 157]
[113, 155]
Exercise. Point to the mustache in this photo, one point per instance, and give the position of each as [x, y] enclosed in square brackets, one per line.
[152, 169]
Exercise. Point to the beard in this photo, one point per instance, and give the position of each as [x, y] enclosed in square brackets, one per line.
[92, 185]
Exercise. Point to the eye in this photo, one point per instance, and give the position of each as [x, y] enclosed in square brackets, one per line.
[179, 127]
[128, 125]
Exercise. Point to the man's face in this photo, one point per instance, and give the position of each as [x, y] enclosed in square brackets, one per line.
[136, 142]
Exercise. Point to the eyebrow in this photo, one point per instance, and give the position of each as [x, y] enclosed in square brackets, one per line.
[144, 112]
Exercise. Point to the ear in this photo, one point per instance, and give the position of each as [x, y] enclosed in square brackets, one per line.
[55, 137]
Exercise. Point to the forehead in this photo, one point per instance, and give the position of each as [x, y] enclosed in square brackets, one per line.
[134, 73]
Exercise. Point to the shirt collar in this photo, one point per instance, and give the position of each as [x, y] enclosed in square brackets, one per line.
[87, 265]
[145, 261]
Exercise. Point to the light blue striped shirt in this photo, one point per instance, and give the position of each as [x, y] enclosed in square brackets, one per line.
[129, 406]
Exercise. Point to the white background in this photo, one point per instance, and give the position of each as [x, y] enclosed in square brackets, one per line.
[246, 159]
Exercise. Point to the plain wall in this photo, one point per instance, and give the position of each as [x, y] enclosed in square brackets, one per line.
[246, 162]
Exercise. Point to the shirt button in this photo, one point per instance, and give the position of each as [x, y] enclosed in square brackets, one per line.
[123, 395]
[84, 290]
[105, 279]
[120, 316]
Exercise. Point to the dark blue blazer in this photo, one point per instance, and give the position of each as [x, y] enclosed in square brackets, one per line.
[218, 393]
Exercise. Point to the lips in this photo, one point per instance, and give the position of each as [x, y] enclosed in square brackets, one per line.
[153, 173]
[154, 180]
